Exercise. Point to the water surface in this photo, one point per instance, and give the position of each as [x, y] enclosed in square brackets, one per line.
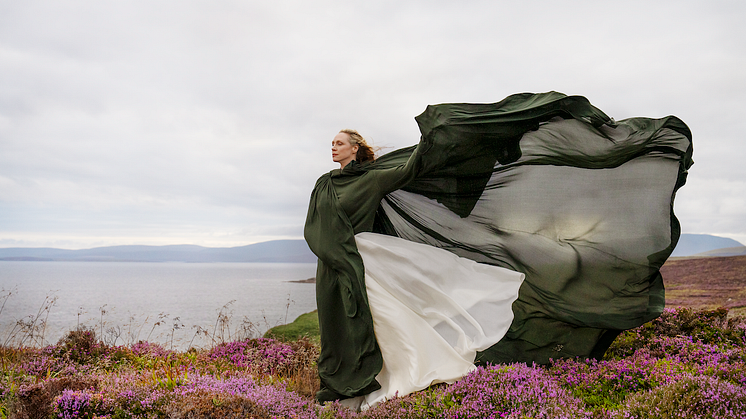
[129, 298]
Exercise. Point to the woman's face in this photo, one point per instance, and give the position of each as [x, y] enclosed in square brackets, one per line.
[342, 151]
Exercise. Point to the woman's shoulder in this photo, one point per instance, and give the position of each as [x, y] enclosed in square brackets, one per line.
[324, 178]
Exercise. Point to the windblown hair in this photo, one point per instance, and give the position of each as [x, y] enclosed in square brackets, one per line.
[364, 152]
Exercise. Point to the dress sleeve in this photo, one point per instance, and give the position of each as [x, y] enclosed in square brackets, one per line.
[390, 179]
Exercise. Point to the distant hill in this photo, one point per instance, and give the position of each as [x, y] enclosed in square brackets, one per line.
[276, 251]
[283, 251]
[728, 251]
[694, 244]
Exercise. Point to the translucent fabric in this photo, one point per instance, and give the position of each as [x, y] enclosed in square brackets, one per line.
[542, 184]
[432, 311]
[585, 213]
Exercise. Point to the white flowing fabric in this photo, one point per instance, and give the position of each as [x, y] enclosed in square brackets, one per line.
[432, 311]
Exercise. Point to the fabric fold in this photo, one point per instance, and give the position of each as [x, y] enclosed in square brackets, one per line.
[543, 184]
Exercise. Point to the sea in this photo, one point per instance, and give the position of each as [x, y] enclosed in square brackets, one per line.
[178, 305]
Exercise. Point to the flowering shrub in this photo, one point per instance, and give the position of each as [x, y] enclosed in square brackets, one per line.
[688, 397]
[75, 405]
[81, 346]
[149, 349]
[606, 384]
[262, 355]
[514, 391]
[707, 327]
[686, 364]
[46, 361]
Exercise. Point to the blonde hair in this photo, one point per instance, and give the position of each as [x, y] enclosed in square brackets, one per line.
[364, 152]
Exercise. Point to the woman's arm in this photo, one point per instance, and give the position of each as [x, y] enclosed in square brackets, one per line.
[389, 179]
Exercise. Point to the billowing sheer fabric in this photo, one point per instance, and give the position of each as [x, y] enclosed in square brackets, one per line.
[432, 312]
[585, 212]
[542, 184]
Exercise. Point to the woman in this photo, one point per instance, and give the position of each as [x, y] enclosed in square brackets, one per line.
[542, 184]
[416, 312]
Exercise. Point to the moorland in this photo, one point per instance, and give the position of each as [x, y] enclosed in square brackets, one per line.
[689, 363]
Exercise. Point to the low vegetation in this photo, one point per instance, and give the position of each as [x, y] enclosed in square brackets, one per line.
[706, 283]
[689, 363]
[686, 364]
[306, 325]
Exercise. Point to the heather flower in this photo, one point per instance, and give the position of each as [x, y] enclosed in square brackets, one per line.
[149, 349]
[74, 405]
[47, 361]
[266, 356]
[676, 366]
[605, 384]
[513, 391]
[706, 326]
[689, 397]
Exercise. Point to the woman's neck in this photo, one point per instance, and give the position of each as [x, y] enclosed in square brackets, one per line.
[343, 164]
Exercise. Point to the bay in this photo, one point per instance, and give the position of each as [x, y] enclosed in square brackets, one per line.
[175, 304]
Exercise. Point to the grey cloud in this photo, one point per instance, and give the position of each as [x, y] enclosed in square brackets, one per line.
[201, 121]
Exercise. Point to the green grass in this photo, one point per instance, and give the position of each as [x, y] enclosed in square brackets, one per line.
[306, 325]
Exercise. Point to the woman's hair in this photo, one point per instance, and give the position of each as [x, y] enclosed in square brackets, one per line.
[364, 151]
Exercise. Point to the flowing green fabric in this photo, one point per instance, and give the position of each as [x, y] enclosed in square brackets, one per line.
[343, 203]
[544, 184]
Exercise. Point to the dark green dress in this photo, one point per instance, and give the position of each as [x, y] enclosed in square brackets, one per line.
[544, 184]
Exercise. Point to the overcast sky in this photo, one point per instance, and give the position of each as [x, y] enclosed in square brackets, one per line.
[208, 122]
